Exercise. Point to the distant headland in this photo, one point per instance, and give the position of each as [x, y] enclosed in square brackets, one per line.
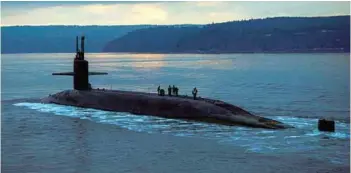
[270, 35]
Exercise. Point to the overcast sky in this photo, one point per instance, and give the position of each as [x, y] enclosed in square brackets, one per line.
[131, 13]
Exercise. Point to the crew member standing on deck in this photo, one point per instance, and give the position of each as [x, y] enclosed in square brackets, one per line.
[176, 91]
[169, 90]
[158, 90]
[194, 93]
[173, 90]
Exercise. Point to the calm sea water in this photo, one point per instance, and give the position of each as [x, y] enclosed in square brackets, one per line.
[294, 88]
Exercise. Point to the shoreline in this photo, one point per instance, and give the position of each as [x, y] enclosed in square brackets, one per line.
[192, 53]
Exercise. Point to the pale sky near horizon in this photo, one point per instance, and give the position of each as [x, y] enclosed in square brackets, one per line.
[133, 12]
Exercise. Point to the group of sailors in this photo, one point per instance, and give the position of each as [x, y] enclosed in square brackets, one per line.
[173, 90]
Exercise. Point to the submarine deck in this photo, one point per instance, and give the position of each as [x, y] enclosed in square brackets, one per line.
[165, 96]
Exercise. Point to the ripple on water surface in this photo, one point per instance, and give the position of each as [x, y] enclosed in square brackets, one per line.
[304, 137]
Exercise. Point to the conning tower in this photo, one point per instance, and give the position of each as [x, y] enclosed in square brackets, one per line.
[80, 69]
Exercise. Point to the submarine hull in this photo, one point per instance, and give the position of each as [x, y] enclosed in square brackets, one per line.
[180, 107]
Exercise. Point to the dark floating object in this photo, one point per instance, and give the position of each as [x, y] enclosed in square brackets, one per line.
[326, 125]
[161, 105]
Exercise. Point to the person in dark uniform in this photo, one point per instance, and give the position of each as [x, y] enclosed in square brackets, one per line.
[173, 90]
[176, 91]
[194, 93]
[158, 90]
[162, 92]
[169, 90]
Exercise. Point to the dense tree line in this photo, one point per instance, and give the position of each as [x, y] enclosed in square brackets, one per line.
[51, 39]
[279, 34]
[60, 38]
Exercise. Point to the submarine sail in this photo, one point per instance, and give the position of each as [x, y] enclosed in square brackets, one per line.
[80, 69]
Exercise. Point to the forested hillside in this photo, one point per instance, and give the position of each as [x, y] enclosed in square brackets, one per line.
[52, 39]
[280, 34]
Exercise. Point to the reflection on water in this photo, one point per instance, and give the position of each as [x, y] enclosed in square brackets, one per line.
[156, 61]
[80, 152]
[149, 61]
[137, 61]
[122, 55]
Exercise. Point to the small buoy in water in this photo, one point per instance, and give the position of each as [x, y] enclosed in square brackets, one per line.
[326, 125]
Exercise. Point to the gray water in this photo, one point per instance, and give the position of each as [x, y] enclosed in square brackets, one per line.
[296, 89]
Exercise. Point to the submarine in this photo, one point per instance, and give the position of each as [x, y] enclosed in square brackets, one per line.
[151, 104]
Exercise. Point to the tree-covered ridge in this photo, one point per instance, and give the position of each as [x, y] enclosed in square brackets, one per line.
[54, 39]
[280, 34]
[61, 38]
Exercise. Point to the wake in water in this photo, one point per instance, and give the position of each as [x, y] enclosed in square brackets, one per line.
[305, 135]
